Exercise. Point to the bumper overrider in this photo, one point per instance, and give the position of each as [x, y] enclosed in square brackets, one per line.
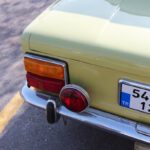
[103, 120]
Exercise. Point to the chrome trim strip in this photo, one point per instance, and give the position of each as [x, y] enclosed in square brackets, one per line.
[50, 60]
[91, 116]
[143, 129]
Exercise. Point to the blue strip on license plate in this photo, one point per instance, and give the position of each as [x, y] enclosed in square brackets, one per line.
[125, 99]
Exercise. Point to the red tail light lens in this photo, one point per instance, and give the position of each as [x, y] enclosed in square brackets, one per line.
[45, 84]
[74, 98]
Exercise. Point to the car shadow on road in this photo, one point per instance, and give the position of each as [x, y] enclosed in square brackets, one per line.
[30, 130]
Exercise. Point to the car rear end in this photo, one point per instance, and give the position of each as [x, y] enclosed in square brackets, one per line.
[78, 67]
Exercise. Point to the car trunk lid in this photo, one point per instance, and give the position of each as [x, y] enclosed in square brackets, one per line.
[97, 36]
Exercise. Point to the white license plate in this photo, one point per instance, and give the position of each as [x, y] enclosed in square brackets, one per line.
[134, 95]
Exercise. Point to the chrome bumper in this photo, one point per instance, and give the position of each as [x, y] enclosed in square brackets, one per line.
[94, 117]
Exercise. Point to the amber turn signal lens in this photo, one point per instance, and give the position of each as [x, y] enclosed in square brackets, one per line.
[44, 69]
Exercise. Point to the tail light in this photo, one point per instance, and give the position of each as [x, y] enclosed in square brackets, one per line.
[45, 84]
[45, 74]
[74, 98]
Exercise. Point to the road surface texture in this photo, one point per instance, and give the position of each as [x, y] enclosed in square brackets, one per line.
[28, 130]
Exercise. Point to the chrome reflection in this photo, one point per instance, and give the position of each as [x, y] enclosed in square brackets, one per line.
[93, 117]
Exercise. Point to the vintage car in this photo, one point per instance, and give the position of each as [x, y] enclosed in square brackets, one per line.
[90, 61]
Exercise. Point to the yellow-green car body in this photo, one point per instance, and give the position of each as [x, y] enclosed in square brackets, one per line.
[102, 41]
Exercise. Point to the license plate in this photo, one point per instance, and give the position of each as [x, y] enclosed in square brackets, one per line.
[134, 95]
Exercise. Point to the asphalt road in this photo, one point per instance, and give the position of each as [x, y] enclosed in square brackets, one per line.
[28, 130]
